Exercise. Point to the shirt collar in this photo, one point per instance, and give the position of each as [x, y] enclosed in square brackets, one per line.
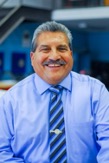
[42, 86]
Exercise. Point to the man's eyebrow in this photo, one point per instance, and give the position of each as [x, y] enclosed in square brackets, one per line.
[63, 46]
[47, 46]
[43, 46]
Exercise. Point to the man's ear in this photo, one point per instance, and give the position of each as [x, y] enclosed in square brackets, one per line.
[32, 57]
[71, 53]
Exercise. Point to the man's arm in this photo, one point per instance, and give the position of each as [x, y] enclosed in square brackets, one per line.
[102, 125]
[6, 135]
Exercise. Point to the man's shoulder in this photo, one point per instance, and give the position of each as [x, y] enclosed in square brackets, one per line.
[81, 78]
[26, 82]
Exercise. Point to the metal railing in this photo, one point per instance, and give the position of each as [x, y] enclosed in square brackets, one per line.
[5, 2]
[2, 3]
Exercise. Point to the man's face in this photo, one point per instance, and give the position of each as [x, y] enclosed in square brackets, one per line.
[52, 47]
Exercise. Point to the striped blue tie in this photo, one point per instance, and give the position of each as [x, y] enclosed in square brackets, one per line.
[57, 128]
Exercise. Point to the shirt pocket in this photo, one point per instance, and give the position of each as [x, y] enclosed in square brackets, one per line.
[82, 142]
[83, 137]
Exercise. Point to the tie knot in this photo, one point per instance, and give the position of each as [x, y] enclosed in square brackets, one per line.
[56, 89]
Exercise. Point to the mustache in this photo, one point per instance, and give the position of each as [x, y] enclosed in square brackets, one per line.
[58, 62]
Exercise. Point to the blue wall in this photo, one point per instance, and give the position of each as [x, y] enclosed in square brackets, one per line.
[90, 46]
[15, 43]
[98, 43]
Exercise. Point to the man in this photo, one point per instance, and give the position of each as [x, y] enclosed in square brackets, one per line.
[25, 108]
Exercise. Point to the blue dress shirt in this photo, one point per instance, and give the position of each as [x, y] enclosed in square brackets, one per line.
[24, 121]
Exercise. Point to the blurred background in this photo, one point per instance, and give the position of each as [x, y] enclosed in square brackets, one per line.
[88, 21]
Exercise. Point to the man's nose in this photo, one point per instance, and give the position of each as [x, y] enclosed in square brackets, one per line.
[54, 55]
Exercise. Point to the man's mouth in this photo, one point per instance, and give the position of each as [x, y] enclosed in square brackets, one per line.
[54, 63]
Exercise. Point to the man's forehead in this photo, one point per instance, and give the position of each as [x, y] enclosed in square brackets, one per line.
[49, 37]
[52, 33]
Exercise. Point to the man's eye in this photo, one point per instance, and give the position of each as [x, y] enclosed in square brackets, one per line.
[62, 49]
[45, 50]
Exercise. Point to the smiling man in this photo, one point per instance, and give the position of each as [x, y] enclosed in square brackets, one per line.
[54, 115]
[52, 59]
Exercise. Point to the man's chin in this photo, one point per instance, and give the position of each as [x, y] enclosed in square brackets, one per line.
[54, 80]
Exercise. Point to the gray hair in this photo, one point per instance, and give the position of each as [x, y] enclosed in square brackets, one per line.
[51, 26]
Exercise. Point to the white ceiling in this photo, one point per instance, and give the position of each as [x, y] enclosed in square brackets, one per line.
[88, 19]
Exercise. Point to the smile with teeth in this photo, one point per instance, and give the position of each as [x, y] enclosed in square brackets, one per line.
[54, 65]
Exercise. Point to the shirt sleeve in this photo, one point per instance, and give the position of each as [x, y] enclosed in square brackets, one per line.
[6, 135]
[102, 124]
